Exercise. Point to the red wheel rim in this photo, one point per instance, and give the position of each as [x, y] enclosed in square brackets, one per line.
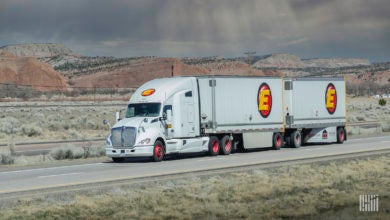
[278, 141]
[342, 135]
[215, 146]
[158, 151]
[228, 146]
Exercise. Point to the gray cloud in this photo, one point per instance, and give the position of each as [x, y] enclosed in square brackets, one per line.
[308, 28]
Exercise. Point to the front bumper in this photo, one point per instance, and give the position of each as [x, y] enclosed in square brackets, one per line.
[137, 151]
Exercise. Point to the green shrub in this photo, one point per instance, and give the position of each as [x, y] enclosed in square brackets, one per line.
[67, 153]
[382, 102]
[86, 151]
[9, 125]
[6, 159]
[31, 130]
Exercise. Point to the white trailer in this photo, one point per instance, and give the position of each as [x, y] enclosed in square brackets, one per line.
[315, 110]
[217, 114]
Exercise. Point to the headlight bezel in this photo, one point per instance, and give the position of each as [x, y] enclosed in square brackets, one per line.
[144, 141]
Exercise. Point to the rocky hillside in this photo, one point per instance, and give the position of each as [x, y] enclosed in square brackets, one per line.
[37, 50]
[280, 61]
[336, 62]
[29, 71]
[134, 72]
[54, 65]
[227, 66]
[288, 61]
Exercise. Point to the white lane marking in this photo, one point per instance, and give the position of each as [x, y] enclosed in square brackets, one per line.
[216, 158]
[50, 168]
[318, 148]
[56, 175]
[368, 138]
[385, 141]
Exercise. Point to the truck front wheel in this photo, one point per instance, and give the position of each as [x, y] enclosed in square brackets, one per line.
[158, 151]
[213, 146]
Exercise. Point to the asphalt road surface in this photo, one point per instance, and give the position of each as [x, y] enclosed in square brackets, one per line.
[62, 176]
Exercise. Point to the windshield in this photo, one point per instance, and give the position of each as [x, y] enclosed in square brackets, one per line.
[143, 109]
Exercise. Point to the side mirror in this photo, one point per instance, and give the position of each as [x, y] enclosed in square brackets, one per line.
[169, 115]
[117, 116]
[164, 116]
[105, 122]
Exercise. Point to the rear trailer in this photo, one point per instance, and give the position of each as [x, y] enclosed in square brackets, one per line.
[315, 110]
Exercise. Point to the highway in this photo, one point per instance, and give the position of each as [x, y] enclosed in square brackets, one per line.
[44, 147]
[27, 179]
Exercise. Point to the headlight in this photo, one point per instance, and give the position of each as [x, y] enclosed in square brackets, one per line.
[144, 141]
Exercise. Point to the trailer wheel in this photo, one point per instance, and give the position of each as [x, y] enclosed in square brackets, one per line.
[158, 151]
[340, 135]
[226, 145]
[277, 142]
[118, 159]
[296, 139]
[213, 146]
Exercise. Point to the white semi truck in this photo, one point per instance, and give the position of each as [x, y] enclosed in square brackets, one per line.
[218, 114]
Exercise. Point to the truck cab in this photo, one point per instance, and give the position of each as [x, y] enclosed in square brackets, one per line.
[162, 117]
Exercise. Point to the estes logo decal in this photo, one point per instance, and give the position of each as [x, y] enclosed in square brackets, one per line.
[264, 100]
[148, 92]
[331, 98]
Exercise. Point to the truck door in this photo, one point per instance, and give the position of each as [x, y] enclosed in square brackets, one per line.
[188, 116]
[184, 115]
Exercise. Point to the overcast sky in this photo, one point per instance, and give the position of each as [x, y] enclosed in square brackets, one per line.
[178, 28]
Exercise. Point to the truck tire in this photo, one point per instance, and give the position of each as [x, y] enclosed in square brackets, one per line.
[158, 151]
[340, 135]
[277, 141]
[118, 159]
[226, 145]
[213, 146]
[296, 139]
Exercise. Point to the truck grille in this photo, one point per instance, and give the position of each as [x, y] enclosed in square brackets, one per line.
[123, 137]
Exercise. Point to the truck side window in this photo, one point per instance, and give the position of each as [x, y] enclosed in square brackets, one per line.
[188, 94]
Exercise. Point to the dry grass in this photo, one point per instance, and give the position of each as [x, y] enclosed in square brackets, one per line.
[29, 124]
[69, 152]
[313, 191]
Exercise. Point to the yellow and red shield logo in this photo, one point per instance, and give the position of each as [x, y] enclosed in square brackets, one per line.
[148, 92]
[331, 98]
[264, 100]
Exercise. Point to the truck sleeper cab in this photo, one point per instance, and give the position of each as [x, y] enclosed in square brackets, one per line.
[218, 114]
